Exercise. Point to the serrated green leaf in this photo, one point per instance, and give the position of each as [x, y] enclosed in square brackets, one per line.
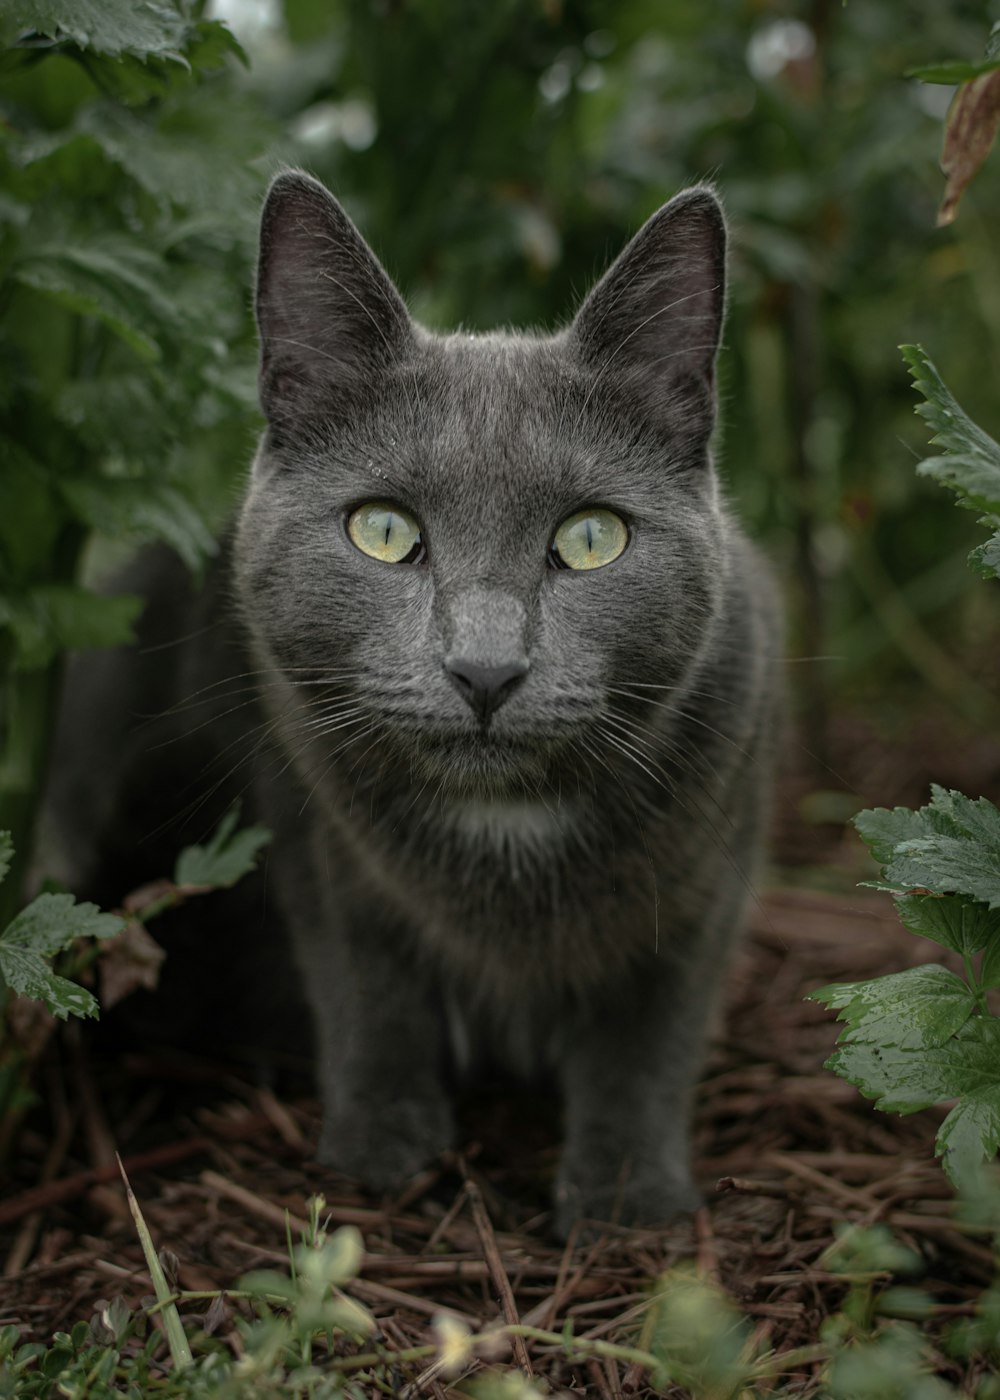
[985, 558]
[916, 1009]
[140, 511]
[6, 852]
[173, 164]
[970, 1135]
[899, 1081]
[28, 975]
[951, 846]
[948, 865]
[119, 282]
[971, 464]
[48, 925]
[949, 920]
[58, 617]
[883, 829]
[905, 1080]
[51, 922]
[226, 858]
[974, 457]
[140, 27]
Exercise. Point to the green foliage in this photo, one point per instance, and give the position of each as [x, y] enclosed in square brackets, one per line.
[126, 230]
[956, 70]
[951, 846]
[49, 925]
[227, 857]
[309, 1339]
[970, 465]
[698, 1336]
[926, 1035]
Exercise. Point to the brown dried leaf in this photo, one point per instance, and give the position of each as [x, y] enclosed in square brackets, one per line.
[30, 1025]
[971, 126]
[129, 961]
[148, 895]
[218, 1315]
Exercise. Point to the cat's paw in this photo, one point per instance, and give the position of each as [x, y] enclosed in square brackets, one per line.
[651, 1198]
[383, 1149]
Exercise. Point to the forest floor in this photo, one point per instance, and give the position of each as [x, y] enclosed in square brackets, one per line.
[786, 1153]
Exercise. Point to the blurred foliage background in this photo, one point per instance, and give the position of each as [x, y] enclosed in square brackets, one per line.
[497, 154]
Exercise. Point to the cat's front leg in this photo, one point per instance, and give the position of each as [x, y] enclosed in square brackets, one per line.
[381, 1047]
[628, 1070]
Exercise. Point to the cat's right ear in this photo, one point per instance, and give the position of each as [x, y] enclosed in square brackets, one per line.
[651, 327]
[329, 318]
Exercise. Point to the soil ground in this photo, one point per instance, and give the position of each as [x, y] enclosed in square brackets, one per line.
[785, 1153]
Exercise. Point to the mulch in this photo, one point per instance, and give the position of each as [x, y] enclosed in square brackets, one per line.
[786, 1153]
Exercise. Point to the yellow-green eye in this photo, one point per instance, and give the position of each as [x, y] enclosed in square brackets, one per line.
[384, 531]
[589, 540]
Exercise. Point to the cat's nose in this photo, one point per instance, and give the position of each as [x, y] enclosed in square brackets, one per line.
[485, 688]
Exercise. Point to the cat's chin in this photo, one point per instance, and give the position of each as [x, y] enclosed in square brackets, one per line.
[482, 767]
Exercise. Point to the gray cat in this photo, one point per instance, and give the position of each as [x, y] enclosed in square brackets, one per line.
[521, 668]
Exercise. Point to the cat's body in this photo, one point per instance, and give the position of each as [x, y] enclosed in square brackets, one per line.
[516, 807]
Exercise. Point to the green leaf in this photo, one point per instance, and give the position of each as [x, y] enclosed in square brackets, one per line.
[952, 71]
[884, 830]
[899, 1081]
[173, 164]
[6, 852]
[227, 857]
[971, 463]
[906, 1080]
[143, 28]
[985, 558]
[970, 1135]
[949, 920]
[28, 975]
[912, 1010]
[51, 922]
[58, 617]
[48, 926]
[140, 511]
[120, 282]
[951, 846]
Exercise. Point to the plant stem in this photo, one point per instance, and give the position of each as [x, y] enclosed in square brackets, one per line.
[982, 1006]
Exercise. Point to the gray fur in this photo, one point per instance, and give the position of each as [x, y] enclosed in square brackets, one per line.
[556, 891]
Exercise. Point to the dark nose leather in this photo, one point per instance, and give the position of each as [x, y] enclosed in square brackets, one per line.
[485, 688]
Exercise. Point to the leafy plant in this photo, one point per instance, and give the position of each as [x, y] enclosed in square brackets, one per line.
[970, 461]
[973, 118]
[49, 925]
[927, 1035]
[55, 926]
[125, 379]
[302, 1335]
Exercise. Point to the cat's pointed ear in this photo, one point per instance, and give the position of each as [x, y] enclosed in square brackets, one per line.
[652, 324]
[329, 318]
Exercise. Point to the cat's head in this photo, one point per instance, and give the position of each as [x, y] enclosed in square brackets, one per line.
[471, 554]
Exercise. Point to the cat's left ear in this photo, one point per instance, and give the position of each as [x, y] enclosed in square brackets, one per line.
[652, 324]
[329, 317]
